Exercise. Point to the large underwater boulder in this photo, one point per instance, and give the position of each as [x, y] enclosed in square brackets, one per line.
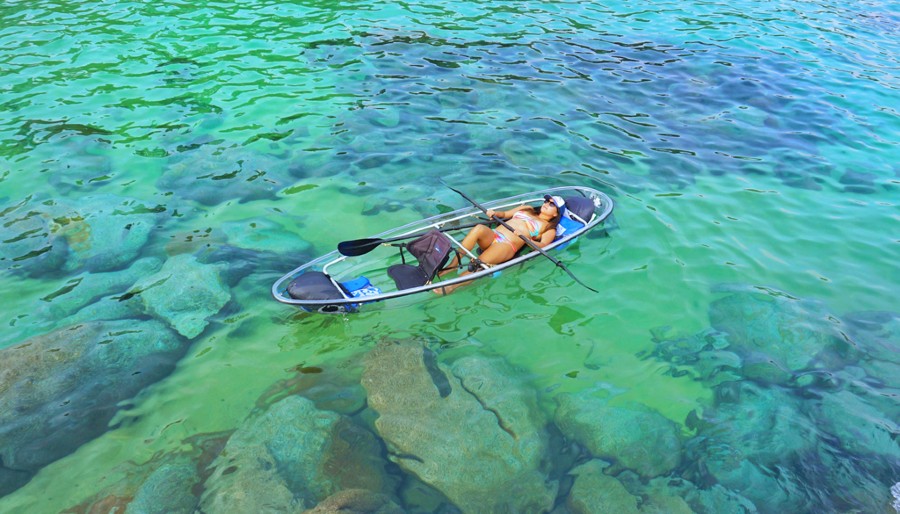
[30, 241]
[210, 174]
[61, 389]
[356, 501]
[593, 492]
[107, 232]
[165, 484]
[632, 435]
[167, 490]
[87, 288]
[184, 294]
[777, 337]
[265, 235]
[472, 433]
[749, 431]
[877, 335]
[665, 504]
[854, 482]
[861, 428]
[291, 458]
[101, 233]
[676, 495]
[703, 355]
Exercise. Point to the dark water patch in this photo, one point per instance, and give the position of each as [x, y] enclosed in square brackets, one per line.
[437, 376]
[70, 285]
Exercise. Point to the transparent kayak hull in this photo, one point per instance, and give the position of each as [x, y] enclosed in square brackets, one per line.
[373, 265]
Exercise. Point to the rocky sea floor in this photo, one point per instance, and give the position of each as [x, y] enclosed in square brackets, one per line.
[424, 426]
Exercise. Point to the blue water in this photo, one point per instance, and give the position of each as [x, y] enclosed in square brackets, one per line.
[162, 165]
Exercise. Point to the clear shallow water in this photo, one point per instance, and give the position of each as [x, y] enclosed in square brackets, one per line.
[750, 148]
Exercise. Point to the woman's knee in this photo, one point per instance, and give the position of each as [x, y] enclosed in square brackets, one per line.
[481, 229]
[483, 234]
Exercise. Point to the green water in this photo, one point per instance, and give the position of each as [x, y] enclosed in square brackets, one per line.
[749, 147]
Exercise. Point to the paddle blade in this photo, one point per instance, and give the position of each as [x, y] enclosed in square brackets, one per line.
[358, 246]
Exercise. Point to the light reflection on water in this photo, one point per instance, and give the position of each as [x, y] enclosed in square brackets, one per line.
[750, 148]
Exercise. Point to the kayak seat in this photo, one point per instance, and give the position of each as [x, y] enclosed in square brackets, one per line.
[407, 276]
[432, 251]
[314, 285]
[577, 212]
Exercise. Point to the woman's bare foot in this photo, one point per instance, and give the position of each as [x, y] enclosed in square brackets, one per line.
[445, 290]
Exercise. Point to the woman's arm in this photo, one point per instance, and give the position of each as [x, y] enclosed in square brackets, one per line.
[505, 214]
[547, 238]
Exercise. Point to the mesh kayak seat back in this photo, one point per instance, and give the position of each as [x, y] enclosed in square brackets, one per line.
[432, 251]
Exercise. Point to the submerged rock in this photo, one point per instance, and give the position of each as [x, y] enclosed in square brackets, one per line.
[30, 240]
[61, 389]
[473, 434]
[594, 492]
[827, 452]
[107, 232]
[101, 233]
[702, 354]
[333, 388]
[860, 427]
[211, 175]
[674, 494]
[264, 235]
[291, 458]
[492, 383]
[633, 435]
[750, 431]
[776, 337]
[854, 482]
[167, 483]
[877, 334]
[665, 504]
[86, 288]
[168, 490]
[184, 293]
[356, 501]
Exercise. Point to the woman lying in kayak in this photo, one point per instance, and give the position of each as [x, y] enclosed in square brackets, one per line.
[500, 244]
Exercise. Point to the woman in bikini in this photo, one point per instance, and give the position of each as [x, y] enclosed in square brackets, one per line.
[500, 245]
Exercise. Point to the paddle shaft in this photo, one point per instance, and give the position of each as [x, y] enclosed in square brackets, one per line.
[364, 246]
[528, 241]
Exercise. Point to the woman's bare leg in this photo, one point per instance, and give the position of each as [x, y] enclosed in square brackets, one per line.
[495, 253]
[481, 235]
[498, 253]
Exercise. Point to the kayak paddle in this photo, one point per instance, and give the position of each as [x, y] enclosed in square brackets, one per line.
[364, 246]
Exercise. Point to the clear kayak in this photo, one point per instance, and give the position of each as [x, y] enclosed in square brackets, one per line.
[337, 283]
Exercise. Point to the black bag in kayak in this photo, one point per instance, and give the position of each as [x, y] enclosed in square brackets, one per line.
[432, 251]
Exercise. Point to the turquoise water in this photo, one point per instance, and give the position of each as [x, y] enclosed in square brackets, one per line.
[164, 164]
